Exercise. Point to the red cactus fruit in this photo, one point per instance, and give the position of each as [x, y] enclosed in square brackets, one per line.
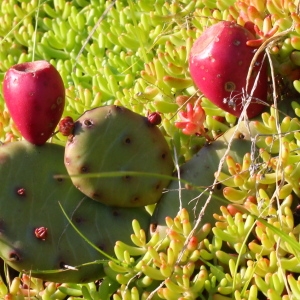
[35, 97]
[219, 63]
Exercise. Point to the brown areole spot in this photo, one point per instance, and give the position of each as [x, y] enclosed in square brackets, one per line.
[88, 123]
[153, 227]
[116, 213]
[241, 136]
[135, 199]
[84, 169]
[79, 220]
[127, 140]
[59, 179]
[127, 177]
[96, 195]
[14, 256]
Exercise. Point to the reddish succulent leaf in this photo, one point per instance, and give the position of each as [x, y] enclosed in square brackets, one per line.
[35, 97]
[219, 63]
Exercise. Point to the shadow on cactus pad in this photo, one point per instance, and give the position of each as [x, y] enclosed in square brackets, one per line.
[197, 176]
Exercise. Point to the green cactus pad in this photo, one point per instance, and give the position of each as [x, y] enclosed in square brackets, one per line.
[115, 139]
[199, 173]
[30, 194]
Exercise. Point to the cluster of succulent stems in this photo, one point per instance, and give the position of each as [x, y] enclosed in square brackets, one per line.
[136, 55]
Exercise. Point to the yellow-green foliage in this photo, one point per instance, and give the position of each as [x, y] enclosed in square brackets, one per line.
[135, 54]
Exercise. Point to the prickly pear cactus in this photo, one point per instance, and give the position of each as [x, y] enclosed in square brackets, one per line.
[35, 235]
[115, 139]
[197, 178]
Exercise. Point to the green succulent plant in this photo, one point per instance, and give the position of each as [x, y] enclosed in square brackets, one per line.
[135, 54]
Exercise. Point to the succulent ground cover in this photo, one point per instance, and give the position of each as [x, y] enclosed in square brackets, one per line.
[232, 228]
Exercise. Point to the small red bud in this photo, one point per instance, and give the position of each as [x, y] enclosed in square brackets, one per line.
[21, 192]
[66, 126]
[41, 233]
[154, 118]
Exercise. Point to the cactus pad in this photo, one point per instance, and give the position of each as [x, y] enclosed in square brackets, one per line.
[199, 173]
[35, 236]
[115, 139]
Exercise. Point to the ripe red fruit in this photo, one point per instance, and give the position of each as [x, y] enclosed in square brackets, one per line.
[35, 97]
[219, 63]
